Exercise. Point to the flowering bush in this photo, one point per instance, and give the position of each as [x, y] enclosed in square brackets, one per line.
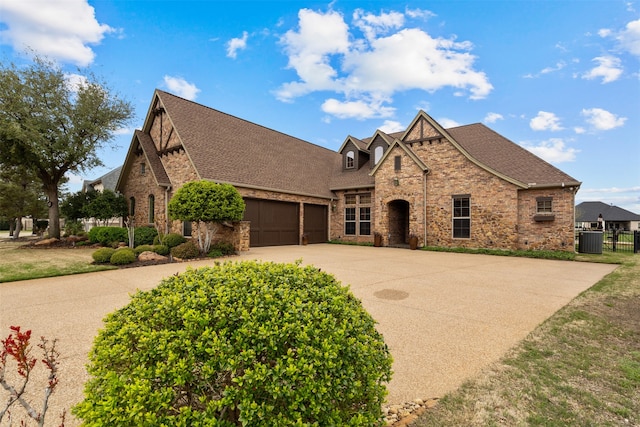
[257, 344]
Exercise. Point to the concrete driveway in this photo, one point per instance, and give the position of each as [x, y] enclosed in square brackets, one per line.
[445, 316]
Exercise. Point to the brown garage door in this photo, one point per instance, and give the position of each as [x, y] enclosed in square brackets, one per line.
[315, 223]
[272, 223]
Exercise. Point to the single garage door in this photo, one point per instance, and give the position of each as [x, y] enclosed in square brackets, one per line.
[272, 223]
[315, 223]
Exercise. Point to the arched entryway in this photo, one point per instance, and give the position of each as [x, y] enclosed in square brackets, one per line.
[398, 222]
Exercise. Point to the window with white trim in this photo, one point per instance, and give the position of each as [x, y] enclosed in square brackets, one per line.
[377, 154]
[350, 160]
[461, 217]
[357, 214]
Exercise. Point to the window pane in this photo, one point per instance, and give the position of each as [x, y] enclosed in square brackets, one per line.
[462, 228]
[365, 198]
[365, 214]
[350, 228]
[350, 159]
[365, 228]
[350, 214]
[350, 199]
[397, 163]
[544, 206]
[379, 151]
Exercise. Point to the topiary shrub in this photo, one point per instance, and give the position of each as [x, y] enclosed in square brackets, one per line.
[173, 239]
[123, 256]
[143, 236]
[221, 249]
[161, 249]
[108, 236]
[255, 344]
[103, 255]
[185, 250]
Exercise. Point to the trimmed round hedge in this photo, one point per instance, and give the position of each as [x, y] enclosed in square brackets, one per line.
[123, 256]
[103, 255]
[257, 344]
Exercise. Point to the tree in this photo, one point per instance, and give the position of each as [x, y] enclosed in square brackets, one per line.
[53, 127]
[20, 196]
[207, 204]
[72, 207]
[106, 205]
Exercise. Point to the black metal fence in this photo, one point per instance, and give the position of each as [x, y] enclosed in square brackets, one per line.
[612, 241]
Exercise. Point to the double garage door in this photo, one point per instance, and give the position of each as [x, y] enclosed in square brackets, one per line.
[275, 223]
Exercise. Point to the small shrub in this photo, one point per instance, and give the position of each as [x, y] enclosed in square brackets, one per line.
[108, 236]
[73, 228]
[173, 239]
[224, 248]
[103, 255]
[256, 344]
[143, 248]
[161, 249]
[157, 240]
[185, 250]
[143, 236]
[123, 256]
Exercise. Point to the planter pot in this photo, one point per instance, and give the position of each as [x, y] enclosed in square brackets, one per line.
[305, 239]
[377, 240]
[413, 243]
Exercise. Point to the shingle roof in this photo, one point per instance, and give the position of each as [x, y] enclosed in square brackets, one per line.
[225, 148]
[108, 180]
[589, 211]
[507, 157]
[149, 148]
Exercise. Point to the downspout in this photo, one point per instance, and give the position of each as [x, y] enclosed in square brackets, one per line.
[166, 209]
[424, 203]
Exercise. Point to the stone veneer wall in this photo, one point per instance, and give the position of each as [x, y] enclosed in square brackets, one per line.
[141, 186]
[547, 235]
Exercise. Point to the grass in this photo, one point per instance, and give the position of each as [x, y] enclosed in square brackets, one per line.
[18, 263]
[579, 368]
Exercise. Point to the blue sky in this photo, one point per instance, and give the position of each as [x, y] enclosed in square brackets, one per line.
[560, 78]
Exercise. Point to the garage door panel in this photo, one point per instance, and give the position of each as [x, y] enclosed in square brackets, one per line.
[273, 222]
[316, 223]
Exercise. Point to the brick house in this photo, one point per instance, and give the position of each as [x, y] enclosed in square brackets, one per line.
[465, 186]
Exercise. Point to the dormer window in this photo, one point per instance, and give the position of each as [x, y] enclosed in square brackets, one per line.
[377, 154]
[350, 160]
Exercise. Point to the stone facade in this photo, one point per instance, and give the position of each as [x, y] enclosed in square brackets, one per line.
[417, 177]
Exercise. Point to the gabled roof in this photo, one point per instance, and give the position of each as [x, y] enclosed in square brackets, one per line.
[589, 211]
[407, 150]
[108, 180]
[360, 145]
[508, 158]
[224, 148]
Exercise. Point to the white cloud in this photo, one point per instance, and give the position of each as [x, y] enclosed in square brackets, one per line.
[545, 121]
[559, 66]
[601, 119]
[356, 109]
[609, 69]
[553, 150]
[236, 44]
[629, 38]
[373, 25]
[493, 117]
[75, 81]
[391, 126]
[419, 13]
[181, 87]
[61, 30]
[327, 56]
[448, 123]
[579, 130]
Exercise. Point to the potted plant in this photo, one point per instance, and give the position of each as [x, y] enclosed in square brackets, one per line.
[377, 239]
[413, 242]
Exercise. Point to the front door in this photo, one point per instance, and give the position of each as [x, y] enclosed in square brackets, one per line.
[398, 222]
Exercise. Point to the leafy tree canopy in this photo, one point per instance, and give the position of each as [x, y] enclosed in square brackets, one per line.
[206, 201]
[52, 126]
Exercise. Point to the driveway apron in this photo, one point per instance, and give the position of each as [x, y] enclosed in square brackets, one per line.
[444, 316]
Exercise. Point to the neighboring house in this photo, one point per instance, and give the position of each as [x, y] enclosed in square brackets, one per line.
[587, 214]
[107, 181]
[465, 186]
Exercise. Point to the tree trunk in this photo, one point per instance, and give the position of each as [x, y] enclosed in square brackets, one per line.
[16, 231]
[51, 190]
[12, 225]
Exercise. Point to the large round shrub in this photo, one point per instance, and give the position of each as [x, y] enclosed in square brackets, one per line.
[108, 235]
[143, 236]
[255, 344]
[103, 255]
[186, 250]
[173, 240]
[123, 256]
